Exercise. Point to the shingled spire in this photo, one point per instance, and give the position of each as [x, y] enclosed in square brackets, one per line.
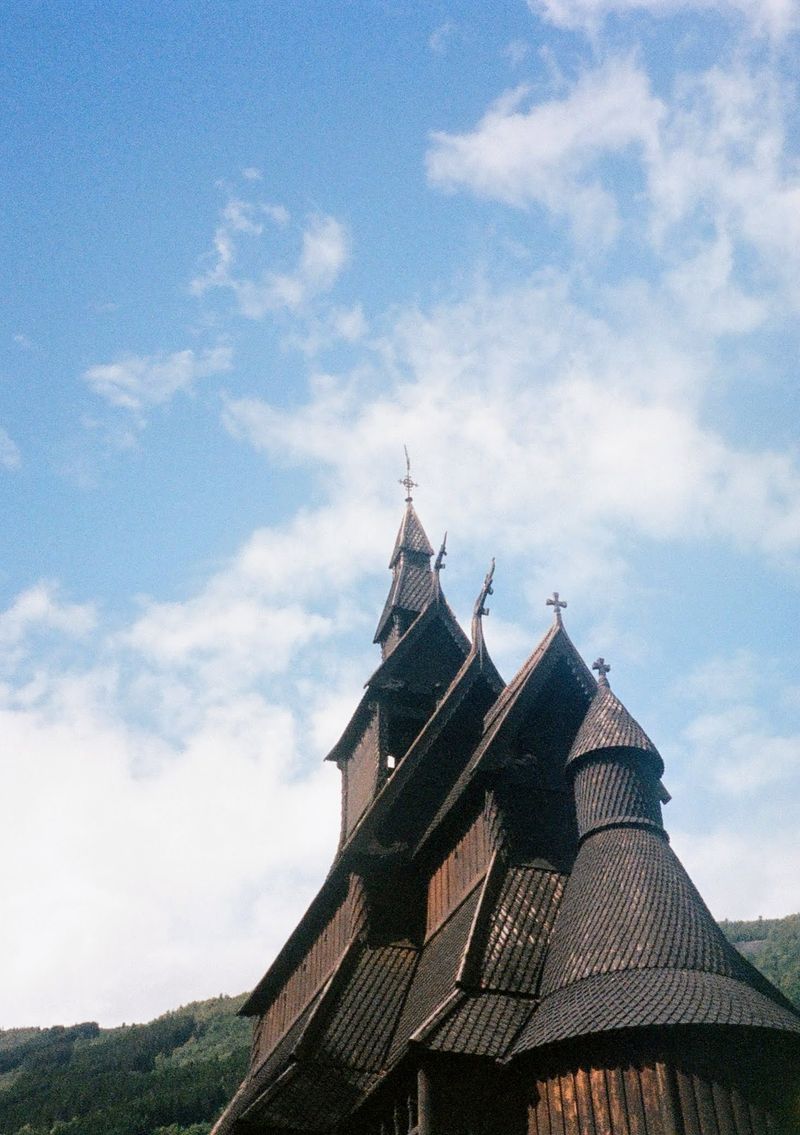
[412, 578]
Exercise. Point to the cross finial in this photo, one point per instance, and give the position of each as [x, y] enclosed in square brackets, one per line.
[602, 668]
[406, 481]
[557, 604]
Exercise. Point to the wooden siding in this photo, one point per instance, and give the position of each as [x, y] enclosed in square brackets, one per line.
[305, 981]
[455, 876]
[648, 1099]
[361, 773]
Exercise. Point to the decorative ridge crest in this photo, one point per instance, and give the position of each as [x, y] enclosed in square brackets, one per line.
[438, 567]
[481, 609]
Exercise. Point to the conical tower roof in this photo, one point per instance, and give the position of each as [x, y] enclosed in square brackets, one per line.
[609, 725]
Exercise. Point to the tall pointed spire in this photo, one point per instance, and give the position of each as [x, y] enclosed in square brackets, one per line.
[412, 580]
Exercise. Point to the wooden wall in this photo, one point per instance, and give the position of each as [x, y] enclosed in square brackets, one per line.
[360, 774]
[703, 1086]
[458, 872]
[308, 977]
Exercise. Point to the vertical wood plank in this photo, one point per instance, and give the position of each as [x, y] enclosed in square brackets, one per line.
[556, 1107]
[633, 1101]
[705, 1106]
[741, 1113]
[666, 1105]
[691, 1121]
[724, 1109]
[616, 1101]
[569, 1104]
[602, 1116]
[583, 1099]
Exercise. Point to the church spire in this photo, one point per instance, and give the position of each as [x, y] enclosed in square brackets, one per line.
[412, 578]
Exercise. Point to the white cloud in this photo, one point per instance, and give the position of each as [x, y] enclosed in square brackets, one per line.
[547, 152]
[740, 750]
[10, 456]
[158, 891]
[775, 17]
[440, 37]
[516, 52]
[323, 254]
[589, 427]
[39, 608]
[713, 157]
[742, 873]
[138, 382]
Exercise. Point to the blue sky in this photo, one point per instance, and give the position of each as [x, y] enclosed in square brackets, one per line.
[253, 250]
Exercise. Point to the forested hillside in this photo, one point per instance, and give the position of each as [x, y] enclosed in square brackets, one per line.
[174, 1075]
[170, 1077]
[772, 944]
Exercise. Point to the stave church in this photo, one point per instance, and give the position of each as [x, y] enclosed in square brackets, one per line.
[505, 943]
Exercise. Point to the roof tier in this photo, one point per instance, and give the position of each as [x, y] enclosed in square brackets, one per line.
[634, 945]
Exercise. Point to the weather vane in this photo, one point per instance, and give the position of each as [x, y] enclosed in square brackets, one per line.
[557, 604]
[602, 668]
[407, 481]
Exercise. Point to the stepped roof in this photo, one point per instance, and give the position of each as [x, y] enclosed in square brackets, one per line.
[554, 941]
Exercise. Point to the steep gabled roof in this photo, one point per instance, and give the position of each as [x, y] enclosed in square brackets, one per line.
[400, 663]
[412, 580]
[475, 668]
[515, 701]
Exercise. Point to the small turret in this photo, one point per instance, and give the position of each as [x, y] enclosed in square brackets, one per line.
[615, 766]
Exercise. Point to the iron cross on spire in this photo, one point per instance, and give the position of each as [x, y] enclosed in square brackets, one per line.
[602, 668]
[558, 604]
[407, 481]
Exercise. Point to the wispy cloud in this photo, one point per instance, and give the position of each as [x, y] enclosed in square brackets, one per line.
[40, 608]
[774, 17]
[712, 157]
[547, 152]
[10, 456]
[139, 382]
[441, 36]
[324, 251]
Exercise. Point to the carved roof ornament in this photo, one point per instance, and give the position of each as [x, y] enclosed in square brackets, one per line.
[407, 481]
[487, 590]
[481, 609]
[439, 564]
[558, 605]
[602, 668]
